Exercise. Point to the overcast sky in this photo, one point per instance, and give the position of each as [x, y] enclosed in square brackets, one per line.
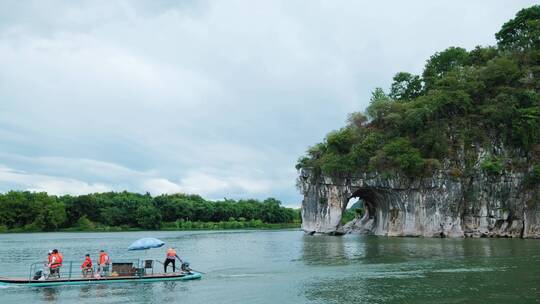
[217, 98]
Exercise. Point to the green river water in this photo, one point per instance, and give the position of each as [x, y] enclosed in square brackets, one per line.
[287, 266]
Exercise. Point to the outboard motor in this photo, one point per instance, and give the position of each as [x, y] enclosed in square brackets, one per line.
[38, 275]
[185, 266]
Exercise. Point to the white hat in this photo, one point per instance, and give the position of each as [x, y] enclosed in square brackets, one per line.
[50, 251]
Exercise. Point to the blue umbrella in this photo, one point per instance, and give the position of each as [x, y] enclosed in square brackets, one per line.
[146, 243]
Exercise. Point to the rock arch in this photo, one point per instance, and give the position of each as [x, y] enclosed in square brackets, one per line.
[439, 206]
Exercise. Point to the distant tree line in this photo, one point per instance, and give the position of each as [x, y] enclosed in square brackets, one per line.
[38, 211]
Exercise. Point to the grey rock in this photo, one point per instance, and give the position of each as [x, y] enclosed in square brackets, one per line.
[478, 205]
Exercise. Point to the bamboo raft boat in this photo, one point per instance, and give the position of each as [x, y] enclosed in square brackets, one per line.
[125, 272]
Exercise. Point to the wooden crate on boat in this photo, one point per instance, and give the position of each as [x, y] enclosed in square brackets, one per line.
[123, 269]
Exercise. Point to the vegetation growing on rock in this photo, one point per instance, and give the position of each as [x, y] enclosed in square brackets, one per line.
[492, 165]
[463, 100]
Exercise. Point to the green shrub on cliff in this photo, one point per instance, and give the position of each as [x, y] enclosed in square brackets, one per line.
[463, 99]
[492, 165]
[399, 153]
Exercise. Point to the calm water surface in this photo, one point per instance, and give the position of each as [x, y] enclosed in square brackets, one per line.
[289, 267]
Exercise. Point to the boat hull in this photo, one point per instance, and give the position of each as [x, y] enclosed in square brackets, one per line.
[105, 280]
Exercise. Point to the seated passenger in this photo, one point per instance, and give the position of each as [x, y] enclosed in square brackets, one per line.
[87, 269]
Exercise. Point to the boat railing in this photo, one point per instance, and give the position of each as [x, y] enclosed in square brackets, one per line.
[141, 267]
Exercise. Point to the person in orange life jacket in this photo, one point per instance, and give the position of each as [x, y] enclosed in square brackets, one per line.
[56, 263]
[171, 258]
[87, 266]
[104, 261]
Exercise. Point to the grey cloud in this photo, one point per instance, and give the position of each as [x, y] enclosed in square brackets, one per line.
[216, 97]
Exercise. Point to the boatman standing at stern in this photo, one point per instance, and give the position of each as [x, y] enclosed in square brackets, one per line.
[171, 258]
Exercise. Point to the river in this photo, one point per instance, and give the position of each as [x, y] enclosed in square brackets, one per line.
[286, 266]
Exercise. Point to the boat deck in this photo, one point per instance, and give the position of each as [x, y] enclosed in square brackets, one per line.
[108, 279]
[126, 271]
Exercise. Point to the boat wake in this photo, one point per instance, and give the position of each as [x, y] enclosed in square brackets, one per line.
[474, 269]
[241, 275]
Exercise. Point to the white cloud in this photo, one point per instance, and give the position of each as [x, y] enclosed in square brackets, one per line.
[207, 184]
[58, 175]
[50, 184]
[161, 185]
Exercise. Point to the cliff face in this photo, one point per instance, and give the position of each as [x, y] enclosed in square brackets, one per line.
[478, 205]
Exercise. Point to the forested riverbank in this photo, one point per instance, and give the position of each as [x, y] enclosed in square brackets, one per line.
[24, 211]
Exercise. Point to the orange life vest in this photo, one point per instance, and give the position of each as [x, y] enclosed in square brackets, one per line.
[87, 263]
[171, 253]
[104, 259]
[58, 258]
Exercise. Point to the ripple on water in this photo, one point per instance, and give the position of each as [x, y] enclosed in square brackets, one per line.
[472, 269]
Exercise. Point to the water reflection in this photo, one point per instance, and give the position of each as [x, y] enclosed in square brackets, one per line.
[101, 293]
[401, 250]
[321, 249]
[397, 270]
[50, 294]
[85, 291]
[332, 250]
